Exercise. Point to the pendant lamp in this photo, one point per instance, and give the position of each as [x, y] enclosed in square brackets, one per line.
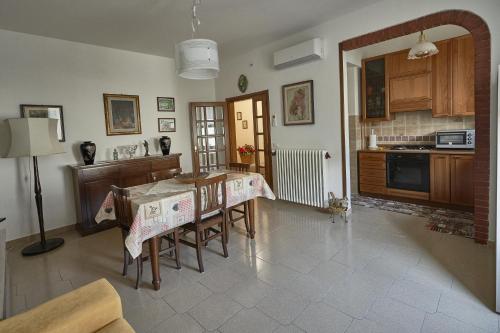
[422, 49]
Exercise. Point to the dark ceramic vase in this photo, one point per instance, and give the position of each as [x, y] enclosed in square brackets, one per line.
[165, 143]
[87, 148]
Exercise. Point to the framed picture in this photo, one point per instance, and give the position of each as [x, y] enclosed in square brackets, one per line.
[46, 111]
[239, 116]
[165, 104]
[244, 124]
[298, 103]
[123, 114]
[166, 124]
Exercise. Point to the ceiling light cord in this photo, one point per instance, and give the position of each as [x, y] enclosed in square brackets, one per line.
[195, 20]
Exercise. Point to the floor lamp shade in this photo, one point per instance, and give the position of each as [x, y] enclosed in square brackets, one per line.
[36, 137]
[33, 137]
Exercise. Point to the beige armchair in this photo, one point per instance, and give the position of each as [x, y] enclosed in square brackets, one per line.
[95, 307]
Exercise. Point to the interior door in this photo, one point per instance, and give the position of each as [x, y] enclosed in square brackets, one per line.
[263, 156]
[209, 135]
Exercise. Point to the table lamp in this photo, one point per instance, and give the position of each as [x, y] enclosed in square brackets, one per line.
[36, 137]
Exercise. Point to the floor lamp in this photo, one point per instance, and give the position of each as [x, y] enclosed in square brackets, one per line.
[36, 137]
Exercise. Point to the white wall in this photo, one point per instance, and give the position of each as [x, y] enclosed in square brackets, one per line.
[38, 70]
[257, 65]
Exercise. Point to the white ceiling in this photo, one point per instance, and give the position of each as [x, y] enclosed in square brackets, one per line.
[154, 26]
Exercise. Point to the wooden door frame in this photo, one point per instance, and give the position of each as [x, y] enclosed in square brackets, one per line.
[194, 143]
[482, 85]
[267, 123]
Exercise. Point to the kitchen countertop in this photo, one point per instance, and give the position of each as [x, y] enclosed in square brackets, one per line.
[423, 151]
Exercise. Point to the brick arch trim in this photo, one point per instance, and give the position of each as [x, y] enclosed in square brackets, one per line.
[482, 41]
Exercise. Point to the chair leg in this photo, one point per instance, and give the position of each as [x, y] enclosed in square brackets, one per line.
[224, 238]
[245, 211]
[177, 249]
[231, 217]
[198, 251]
[125, 261]
[207, 234]
[139, 271]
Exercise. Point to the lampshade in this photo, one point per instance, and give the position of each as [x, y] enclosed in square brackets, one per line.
[197, 59]
[33, 137]
[422, 49]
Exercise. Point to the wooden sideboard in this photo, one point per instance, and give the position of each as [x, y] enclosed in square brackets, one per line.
[92, 184]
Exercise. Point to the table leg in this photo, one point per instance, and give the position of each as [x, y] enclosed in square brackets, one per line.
[155, 261]
[251, 217]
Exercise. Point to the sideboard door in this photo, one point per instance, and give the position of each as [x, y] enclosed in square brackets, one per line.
[135, 174]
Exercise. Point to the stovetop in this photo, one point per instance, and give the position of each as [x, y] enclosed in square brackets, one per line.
[412, 147]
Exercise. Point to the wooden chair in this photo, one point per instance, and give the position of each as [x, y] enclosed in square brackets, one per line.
[208, 189]
[123, 213]
[156, 176]
[243, 208]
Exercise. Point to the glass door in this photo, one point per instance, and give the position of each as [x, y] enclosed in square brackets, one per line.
[208, 136]
[261, 135]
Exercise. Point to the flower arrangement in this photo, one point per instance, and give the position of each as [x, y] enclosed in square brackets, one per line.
[246, 150]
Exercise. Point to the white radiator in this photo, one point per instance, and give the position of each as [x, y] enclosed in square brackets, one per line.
[302, 175]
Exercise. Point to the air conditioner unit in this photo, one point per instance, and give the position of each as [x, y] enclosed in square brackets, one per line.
[300, 53]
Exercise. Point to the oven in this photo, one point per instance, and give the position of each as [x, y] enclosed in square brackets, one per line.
[458, 139]
[408, 171]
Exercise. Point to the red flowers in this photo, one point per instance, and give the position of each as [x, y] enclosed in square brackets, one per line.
[246, 150]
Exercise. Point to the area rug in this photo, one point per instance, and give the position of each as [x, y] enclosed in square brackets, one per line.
[449, 221]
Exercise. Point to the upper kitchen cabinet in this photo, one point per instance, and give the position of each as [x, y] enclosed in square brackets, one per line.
[410, 83]
[462, 76]
[453, 78]
[374, 89]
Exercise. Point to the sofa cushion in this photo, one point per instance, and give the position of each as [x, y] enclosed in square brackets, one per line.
[118, 326]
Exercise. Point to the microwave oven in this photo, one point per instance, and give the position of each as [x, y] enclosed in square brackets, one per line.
[457, 139]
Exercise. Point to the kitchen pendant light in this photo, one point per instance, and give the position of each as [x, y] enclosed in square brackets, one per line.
[422, 49]
[197, 59]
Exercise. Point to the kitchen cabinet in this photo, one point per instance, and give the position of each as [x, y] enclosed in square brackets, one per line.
[463, 76]
[399, 65]
[372, 172]
[440, 178]
[374, 89]
[441, 80]
[462, 186]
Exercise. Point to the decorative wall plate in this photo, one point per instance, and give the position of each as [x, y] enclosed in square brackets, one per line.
[242, 83]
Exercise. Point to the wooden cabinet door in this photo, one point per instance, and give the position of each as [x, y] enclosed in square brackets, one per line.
[399, 65]
[440, 178]
[410, 93]
[374, 89]
[462, 186]
[463, 76]
[135, 174]
[442, 80]
[95, 193]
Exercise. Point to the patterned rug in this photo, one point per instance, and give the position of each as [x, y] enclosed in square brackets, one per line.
[449, 221]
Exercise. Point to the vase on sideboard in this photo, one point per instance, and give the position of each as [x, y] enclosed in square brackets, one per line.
[88, 149]
[165, 143]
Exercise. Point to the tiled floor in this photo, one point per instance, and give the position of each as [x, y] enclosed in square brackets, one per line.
[382, 272]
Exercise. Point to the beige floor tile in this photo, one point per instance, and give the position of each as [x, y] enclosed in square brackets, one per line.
[319, 318]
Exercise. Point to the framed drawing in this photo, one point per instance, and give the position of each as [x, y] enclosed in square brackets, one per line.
[244, 124]
[166, 125]
[239, 116]
[165, 104]
[46, 111]
[123, 114]
[298, 103]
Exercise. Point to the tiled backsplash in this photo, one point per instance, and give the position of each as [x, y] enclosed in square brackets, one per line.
[414, 127]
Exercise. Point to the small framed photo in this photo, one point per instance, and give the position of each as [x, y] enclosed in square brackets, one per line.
[298, 103]
[244, 124]
[123, 115]
[239, 116]
[46, 111]
[166, 125]
[165, 104]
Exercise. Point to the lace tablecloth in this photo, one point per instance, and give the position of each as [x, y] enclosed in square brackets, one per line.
[158, 207]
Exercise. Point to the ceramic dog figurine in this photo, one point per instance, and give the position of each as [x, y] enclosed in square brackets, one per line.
[337, 206]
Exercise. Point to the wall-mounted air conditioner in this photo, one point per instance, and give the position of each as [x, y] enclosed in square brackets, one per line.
[300, 53]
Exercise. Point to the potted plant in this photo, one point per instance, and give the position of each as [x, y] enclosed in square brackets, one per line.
[246, 153]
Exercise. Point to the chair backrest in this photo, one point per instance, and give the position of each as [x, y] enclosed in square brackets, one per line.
[156, 176]
[242, 167]
[123, 211]
[207, 196]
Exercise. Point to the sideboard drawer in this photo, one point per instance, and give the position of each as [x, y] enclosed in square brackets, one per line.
[164, 164]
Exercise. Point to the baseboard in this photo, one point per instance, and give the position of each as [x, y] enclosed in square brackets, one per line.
[14, 243]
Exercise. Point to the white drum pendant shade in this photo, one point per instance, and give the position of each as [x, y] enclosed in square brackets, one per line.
[197, 59]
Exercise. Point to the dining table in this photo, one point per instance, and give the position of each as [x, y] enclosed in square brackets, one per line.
[162, 206]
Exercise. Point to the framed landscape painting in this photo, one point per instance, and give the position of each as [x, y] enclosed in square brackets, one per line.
[165, 104]
[166, 125]
[122, 113]
[46, 111]
[298, 103]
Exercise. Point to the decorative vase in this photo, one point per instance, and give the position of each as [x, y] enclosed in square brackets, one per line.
[165, 143]
[248, 159]
[88, 148]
